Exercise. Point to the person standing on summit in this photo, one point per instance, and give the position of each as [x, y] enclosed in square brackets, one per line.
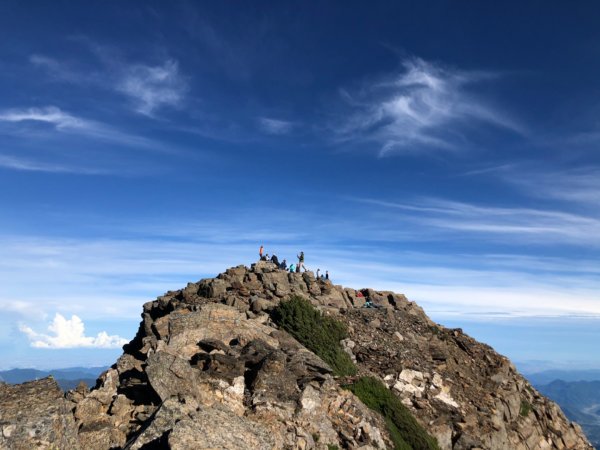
[301, 262]
[260, 252]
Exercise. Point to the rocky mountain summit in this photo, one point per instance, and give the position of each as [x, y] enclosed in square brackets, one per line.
[210, 368]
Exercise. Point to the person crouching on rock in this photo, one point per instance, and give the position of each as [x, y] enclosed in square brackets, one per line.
[292, 268]
[283, 265]
[275, 260]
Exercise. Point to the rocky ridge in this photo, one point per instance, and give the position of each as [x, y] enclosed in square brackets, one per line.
[209, 369]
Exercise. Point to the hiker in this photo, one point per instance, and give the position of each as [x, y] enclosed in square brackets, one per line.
[298, 268]
[260, 252]
[275, 260]
[370, 304]
[327, 274]
[265, 257]
[301, 261]
[318, 270]
[283, 265]
[292, 268]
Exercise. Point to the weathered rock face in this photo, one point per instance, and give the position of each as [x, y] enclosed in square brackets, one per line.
[463, 392]
[208, 372]
[36, 415]
[208, 369]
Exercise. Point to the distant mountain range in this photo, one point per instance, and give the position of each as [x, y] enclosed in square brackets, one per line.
[66, 378]
[548, 376]
[578, 395]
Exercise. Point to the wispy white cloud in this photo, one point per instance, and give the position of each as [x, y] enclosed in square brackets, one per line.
[62, 71]
[275, 126]
[152, 87]
[495, 169]
[18, 163]
[149, 87]
[69, 333]
[25, 309]
[580, 185]
[119, 275]
[44, 61]
[50, 114]
[536, 226]
[65, 122]
[425, 106]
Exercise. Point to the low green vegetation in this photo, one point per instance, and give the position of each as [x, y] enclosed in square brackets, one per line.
[320, 334]
[405, 431]
[525, 408]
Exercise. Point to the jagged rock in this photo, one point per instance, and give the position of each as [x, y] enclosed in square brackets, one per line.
[163, 421]
[208, 369]
[36, 415]
[475, 391]
[215, 428]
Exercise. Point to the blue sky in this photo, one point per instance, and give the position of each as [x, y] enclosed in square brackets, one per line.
[449, 152]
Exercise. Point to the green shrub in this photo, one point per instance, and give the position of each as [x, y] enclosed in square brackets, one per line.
[405, 431]
[319, 333]
[332, 447]
[525, 408]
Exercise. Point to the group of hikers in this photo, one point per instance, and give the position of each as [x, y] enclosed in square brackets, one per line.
[296, 267]
[293, 267]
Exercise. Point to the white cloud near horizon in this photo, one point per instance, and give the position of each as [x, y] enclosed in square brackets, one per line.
[69, 333]
[425, 106]
[152, 87]
[275, 126]
[119, 275]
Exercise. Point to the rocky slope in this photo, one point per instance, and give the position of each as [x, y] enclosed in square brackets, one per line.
[209, 369]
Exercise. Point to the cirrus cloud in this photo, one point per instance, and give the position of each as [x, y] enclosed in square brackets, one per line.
[426, 105]
[275, 126]
[151, 87]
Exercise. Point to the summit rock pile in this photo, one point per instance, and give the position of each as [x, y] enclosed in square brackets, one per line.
[209, 369]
